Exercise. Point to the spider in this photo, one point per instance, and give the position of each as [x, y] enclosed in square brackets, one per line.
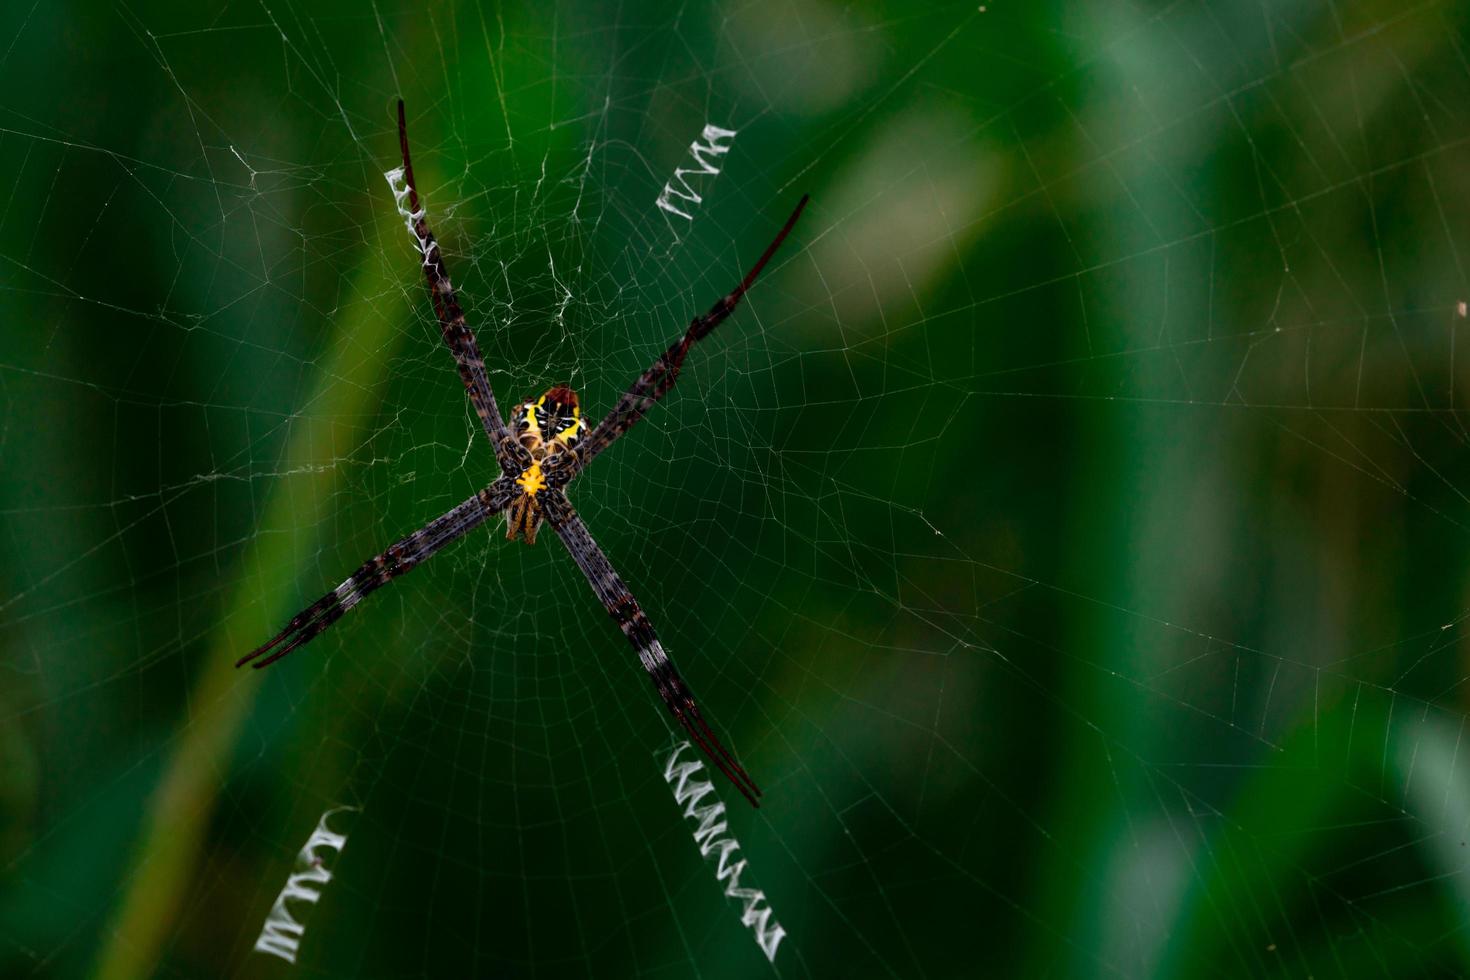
[541, 447]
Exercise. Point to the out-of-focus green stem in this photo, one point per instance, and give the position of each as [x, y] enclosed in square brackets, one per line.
[179, 811]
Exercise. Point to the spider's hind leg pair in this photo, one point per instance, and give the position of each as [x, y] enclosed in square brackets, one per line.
[540, 450]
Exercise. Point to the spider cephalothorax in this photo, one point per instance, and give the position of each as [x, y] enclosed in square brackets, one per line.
[546, 427]
[540, 448]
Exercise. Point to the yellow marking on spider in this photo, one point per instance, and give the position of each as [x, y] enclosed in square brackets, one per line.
[570, 432]
[531, 415]
[531, 481]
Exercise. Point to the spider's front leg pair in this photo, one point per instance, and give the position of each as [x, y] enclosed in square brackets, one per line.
[525, 487]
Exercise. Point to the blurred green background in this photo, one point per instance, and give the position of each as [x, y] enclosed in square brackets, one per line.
[1069, 534]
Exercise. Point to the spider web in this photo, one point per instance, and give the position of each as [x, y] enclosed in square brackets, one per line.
[1068, 532]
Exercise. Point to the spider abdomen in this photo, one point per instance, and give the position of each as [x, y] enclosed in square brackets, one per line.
[549, 424]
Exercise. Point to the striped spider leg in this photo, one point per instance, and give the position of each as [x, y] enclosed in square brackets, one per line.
[655, 382]
[457, 334]
[400, 557]
[629, 616]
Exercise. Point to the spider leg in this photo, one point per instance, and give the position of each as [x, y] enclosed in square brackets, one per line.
[655, 382]
[400, 557]
[631, 619]
[458, 336]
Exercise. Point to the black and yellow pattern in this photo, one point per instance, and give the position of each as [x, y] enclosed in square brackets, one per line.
[547, 427]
